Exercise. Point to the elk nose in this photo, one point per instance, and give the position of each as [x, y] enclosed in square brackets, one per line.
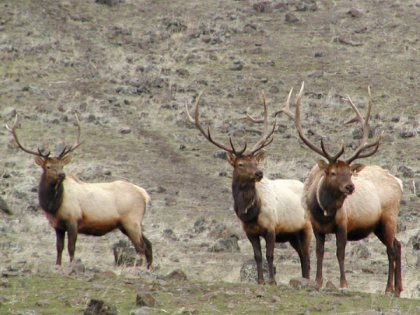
[259, 174]
[350, 188]
[61, 176]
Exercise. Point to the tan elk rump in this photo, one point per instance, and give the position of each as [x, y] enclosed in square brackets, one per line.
[351, 200]
[74, 206]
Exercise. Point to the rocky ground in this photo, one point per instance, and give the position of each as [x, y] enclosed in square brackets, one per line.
[128, 67]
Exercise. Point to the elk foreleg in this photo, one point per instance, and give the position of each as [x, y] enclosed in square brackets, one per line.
[270, 240]
[256, 246]
[320, 249]
[59, 244]
[341, 241]
[71, 239]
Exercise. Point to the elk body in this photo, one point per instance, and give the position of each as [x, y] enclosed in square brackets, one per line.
[351, 200]
[270, 209]
[96, 209]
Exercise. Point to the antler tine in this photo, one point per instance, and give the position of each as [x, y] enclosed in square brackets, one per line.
[207, 135]
[296, 118]
[76, 144]
[365, 131]
[266, 135]
[13, 132]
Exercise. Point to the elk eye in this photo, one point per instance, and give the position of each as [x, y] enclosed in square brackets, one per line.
[241, 165]
[333, 174]
[48, 167]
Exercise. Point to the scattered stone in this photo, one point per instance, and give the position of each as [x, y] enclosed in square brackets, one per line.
[124, 130]
[406, 171]
[291, 18]
[415, 241]
[171, 201]
[330, 286]
[263, 7]
[229, 244]
[303, 283]
[109, 2]
[177, 275]
[169, 234]
[306, 5]
[200, 225]
[145, 299]
[77, 266]
[98, 307]
[360, 251]
[396, 118]
[238, 67]
[182, 72]
[4, 207]
[125, 254]
[347, 41]
[248, 271]
[355, 13]
[407, 134]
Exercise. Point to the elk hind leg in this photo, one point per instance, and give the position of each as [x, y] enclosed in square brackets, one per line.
[148, 251]
[301, 243]
[386, 234]
[133, 232]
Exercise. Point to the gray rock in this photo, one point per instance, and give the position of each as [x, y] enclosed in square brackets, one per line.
[248, 271]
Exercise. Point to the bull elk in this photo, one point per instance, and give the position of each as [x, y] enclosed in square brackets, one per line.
[76, 207]
[270, 209]
[351, 200]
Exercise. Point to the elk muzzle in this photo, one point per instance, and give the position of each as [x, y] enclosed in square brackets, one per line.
[349, 189]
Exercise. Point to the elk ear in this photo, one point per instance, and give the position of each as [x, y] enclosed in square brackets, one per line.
[322, 165]
[261, 156]
[356, 168]
[231, 158]
[39, 160]
[66, 160]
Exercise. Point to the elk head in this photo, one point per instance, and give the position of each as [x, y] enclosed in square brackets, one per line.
[52, 166]
[245, 166]
[338, 172]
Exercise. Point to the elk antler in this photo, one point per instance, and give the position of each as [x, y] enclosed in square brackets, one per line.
[266, 135]
[76, 144]
[66, 150]
[323, 152]
[365, 131]
[13, 131]
[296, 118]
[207, 135]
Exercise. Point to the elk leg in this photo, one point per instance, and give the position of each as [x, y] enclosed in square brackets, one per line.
[393, 250]
[148, 251]
[398, 277]
[270, 240]
[134, 233]
[71, 238]
[301, 244]
[320, 244]
[59, 244]
[341, 241]
[256, 246]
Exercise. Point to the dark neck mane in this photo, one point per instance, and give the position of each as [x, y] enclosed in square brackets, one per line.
[246, 202]
[50, 196]
[328, 202]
